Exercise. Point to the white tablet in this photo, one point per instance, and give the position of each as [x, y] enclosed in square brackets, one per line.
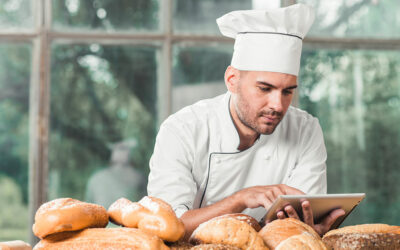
[321, 205]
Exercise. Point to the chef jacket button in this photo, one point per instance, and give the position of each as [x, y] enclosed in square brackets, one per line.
[218, 160]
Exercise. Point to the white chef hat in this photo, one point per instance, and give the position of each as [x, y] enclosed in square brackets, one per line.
[268, 40]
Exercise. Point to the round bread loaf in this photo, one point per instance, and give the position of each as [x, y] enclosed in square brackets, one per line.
[214, 247]
[102, 238]
[150, 215]
[279, 230]
[245, 218]
[303, 241]
[180, 245]
[366, 236]
[66, 214]
[228, 231]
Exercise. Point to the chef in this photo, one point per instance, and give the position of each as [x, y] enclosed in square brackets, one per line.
[239, 151]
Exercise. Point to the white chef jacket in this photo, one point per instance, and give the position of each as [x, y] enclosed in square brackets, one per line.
[196, 162]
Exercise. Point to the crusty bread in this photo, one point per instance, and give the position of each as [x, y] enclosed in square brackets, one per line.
[150, 215]
[102, 238]
[303, 241]
[279, 230]
[214, 247]
[366, 236]
[246, 218]
[229, 231]
[66, 214]
[15, 245]
[179, 245]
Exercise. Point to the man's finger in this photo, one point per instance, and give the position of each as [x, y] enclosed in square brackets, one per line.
[291, 212]
[307, 213]
[281, 215]
[332, 217]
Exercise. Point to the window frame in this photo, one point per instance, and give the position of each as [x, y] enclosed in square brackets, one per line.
[43, 36]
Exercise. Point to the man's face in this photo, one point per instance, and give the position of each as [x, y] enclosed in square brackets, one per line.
[261, 99]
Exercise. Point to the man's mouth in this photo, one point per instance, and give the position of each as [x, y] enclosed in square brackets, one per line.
[270, 119]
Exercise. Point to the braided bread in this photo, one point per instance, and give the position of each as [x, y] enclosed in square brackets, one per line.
[150, 215]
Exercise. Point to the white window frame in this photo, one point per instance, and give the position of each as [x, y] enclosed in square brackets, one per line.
[43, 36]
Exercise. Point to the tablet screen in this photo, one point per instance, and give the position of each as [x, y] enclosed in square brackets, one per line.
[321, 205]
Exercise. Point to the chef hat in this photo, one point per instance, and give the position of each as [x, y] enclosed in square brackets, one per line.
[268, 40]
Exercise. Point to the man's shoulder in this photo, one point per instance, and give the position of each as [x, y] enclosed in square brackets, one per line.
[299, 119]
[200, 111]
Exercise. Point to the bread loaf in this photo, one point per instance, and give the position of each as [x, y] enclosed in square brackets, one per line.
[66, 214]
[279, 230]
[245, 218]
[214, 247]
[228, 231]
[150, 215]
[303, 241]
[15, 245]
[102, 238]
[367, 236]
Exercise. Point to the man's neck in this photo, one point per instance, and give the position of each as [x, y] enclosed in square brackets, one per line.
[247, 136]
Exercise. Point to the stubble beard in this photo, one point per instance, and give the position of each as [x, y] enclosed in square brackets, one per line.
[245, 115]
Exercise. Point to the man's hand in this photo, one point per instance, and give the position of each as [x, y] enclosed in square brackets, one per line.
[264, 196]
[320, 228]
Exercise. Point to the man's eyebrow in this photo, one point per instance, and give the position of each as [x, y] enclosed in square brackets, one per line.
[273, 86]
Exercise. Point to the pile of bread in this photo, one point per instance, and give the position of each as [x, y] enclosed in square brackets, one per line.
[151, 224]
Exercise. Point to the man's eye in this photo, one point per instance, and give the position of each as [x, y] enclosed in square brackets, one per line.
[287, 92]
[265, 89]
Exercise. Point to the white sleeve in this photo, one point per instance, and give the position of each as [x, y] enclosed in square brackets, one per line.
[309, 173]
[170, 177]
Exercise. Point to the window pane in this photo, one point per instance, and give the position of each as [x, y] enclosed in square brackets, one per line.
[356, 96]
[103, 121]
[15, 14]
[342, 18]
[194, 16]
[122, 15]
[14, 135]
[198, 73]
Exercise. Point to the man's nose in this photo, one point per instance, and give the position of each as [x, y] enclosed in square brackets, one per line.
[276, 102]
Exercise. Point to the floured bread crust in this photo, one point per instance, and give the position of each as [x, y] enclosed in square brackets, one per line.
[279, 230]
[102, 238]
[301, 241]
[150, 215]
[228, 231]
[366, 236]
[66, 214]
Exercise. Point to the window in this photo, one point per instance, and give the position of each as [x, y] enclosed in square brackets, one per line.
[84, 86]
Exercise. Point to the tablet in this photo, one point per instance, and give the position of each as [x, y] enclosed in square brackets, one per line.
[321, 205]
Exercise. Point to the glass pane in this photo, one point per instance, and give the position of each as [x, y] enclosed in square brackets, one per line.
[356, 96]
[116, 15]
[194, 16]
[103, 121]
[376, 18]
[15, 65]
[198, 73]
[15, 14]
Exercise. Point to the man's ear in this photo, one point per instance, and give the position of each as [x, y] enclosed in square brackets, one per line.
[232, 77]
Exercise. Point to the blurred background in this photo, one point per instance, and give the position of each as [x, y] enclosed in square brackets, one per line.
[84, 86]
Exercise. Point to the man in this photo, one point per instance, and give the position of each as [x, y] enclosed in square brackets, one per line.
[238, 152]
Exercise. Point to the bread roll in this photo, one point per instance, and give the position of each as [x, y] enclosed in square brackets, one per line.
[150, 215]
[279, 230]
[180, 245]
[303, 241]
[66, 214]
[245, 218]
[367, 236]
[15, 245]
[102, 238]
[228, 231]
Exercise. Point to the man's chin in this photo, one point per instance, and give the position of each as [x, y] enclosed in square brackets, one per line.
[266, 129]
